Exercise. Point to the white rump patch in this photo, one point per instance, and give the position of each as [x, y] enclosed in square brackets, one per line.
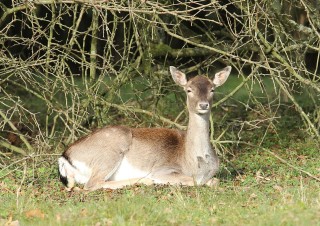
[127, 171]
[63, 165]
[79, 171]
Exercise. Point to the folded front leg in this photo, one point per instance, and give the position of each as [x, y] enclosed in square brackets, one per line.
[128, 182]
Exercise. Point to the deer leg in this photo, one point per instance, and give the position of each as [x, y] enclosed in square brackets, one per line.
[104, 169]
[174, 179]
[128, 182]
[214, 182]
[95, 182]
[180, 179]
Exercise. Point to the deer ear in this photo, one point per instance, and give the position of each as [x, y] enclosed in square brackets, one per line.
[178, 76]
[222, 76]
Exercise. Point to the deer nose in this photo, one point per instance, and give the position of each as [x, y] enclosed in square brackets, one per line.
[204, 106]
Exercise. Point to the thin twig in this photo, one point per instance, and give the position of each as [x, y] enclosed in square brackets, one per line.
[24, 140]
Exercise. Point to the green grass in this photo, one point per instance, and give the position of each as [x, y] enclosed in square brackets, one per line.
[255, 187]
[265, 192]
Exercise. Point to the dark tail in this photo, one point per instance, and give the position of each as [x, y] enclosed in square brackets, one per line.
[63, 179]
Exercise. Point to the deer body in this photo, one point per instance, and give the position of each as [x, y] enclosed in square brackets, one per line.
[114, 157]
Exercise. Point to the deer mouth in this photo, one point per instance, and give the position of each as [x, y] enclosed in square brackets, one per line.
[202, 111]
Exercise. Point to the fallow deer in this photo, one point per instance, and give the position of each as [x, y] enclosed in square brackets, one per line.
[117, 156]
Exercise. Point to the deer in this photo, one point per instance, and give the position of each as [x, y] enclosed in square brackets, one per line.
[117, 156]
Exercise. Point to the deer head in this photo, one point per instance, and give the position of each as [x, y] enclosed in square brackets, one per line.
[199, 89]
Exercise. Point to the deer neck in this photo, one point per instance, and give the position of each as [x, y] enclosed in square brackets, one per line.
[198, 139]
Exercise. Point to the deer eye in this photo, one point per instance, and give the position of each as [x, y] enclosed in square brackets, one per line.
[212, 91]
[189, 90]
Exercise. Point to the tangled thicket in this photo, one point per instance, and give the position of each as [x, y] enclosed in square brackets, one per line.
[67, 66]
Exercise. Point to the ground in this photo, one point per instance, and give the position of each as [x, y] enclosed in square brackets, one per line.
[256, 188]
